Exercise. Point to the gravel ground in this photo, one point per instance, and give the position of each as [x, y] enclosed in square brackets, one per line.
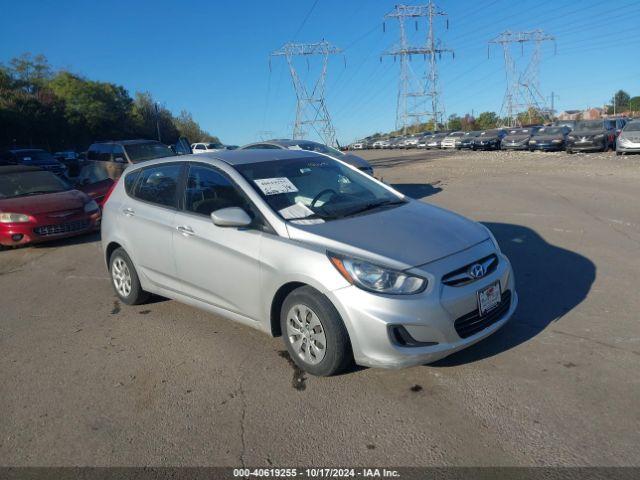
[87, 381]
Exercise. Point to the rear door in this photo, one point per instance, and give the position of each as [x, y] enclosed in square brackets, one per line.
[218, 265]
[147, 218]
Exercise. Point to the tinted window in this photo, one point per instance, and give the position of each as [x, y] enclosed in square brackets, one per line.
[130, 181]
[118, 152]
[209, 190]
[159, 184]
[139, 152]
[261, 146]
[200, 147]
[92, 154]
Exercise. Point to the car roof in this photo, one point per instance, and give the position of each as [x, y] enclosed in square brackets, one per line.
[242, 157]
[127, 142]
[18, 169]
[23, 150]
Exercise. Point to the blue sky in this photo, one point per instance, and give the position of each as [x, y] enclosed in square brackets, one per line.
[212, 57]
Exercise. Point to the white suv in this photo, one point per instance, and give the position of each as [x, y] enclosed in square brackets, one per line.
[207, 147]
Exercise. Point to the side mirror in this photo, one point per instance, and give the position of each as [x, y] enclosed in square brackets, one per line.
[231, 217]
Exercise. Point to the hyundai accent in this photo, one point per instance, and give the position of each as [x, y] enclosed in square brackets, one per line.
[303, 246]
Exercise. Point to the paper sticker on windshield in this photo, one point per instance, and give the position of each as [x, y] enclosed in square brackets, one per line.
[275, 186]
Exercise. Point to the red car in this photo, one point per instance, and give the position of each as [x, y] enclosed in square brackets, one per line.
[36, 206]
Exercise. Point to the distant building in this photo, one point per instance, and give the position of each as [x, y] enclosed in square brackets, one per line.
[570, 115]
[593, 114]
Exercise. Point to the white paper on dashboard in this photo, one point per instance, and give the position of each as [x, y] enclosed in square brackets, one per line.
[298, 210]
[275, 186]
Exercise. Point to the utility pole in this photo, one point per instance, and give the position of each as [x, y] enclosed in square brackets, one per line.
[157, 108]
[523, 85]
[311, 108]
[418, 98]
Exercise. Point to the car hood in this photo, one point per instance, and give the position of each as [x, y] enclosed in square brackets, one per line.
[631, 136]
[547, 138]
[403, 237]
[587, 133]
[355, 160]
[516, 138]
[45, 203]
[485, 139]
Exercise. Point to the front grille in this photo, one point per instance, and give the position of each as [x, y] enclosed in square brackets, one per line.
[60, 228]
[461, 276]
[472, 323]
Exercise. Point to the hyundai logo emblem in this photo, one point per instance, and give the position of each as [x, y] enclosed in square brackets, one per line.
[476, 271]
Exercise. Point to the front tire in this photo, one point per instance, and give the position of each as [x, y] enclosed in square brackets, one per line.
[314, 333]
[124, 279]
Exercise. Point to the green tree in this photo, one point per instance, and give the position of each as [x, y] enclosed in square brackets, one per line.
[454, 122]
[634, 104]
[189, 128]
[487, 120]
[620, 102]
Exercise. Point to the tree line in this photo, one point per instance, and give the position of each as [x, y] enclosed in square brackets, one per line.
[58, 110]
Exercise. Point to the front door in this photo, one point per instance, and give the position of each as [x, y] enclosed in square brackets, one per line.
[217, 265]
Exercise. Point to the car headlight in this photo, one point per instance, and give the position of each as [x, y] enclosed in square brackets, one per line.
[556, 140]
[598, 137]
[14, 218]
[532, 142]
[571, 137]
[91, 207]
[493, 239]
[375, 278]
[623, 141]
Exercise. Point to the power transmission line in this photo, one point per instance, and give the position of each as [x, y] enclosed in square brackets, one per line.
[311, 109]
[414, 93]
[523, 89]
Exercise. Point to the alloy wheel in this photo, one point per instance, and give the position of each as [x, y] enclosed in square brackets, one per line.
[121, 277]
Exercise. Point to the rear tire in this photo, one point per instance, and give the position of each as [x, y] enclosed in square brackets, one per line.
[124, 279]
[314, 333]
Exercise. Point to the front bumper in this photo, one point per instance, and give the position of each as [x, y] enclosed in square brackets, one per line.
[633, 148]
[547, 146]
[16, 234]
[428, 316]
[514, 146]
[587, 146]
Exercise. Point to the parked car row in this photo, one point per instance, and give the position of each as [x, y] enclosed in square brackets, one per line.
[571, 136]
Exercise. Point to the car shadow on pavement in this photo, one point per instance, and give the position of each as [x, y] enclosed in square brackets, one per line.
[77, 240]
[550, 281]
[417, 190]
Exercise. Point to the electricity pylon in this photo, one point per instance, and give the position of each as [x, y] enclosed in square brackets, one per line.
[311, 108]
[418, 97]
[523, 85]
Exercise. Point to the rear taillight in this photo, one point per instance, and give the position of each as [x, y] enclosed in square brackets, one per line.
[108, 194]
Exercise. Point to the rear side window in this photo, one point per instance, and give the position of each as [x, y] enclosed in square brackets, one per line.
[130, 181]
[92, 154]
[159, 185]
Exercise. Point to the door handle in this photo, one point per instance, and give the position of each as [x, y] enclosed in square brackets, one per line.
[128, 212]
[185, 230]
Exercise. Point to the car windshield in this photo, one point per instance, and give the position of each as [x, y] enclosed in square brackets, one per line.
[36, 155]
[518, 131]
[36, 182]
[214, 146]
[594, 125]
[139, 152]
[317, 189]
[632, 127]
[317, 147]
[550, 131]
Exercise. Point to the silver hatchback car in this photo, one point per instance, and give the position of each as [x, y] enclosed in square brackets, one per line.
[298, 244]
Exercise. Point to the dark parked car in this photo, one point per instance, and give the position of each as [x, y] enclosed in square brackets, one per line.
[118, 154]
[72, 160]
[36, 206]
[518, 138]
[489, 139]
[549, 139]
[94, 180]
[33, 157]
[592, 135]
[287, 144]
[467, 139]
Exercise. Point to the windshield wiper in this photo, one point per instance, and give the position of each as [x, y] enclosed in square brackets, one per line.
[373, 206]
